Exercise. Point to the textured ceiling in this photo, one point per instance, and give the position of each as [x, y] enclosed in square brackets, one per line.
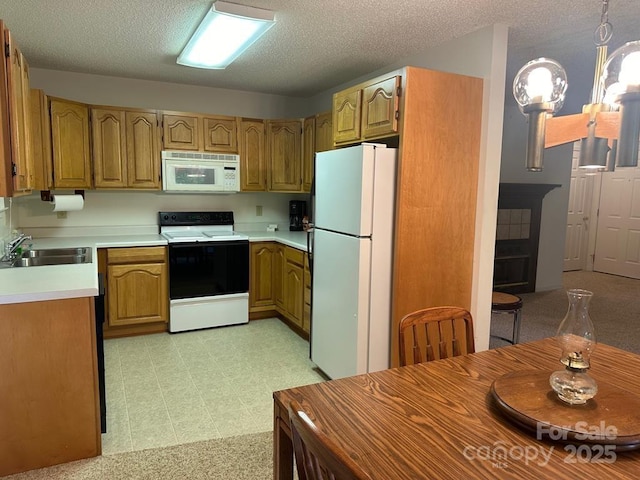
[315, 44]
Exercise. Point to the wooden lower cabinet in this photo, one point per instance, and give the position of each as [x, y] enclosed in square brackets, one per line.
[262, 266]
[136, 295]
[293, 285]
[49, 406]
[278, 283]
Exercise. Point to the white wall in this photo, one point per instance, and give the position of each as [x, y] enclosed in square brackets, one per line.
[128, 92]
[128, 210]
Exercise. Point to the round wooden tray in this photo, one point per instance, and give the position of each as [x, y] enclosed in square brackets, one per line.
[612, 417]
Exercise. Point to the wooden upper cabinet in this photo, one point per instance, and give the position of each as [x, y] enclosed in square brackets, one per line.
[308, 151]
[324, 132]
[220, 134]
[347, 107]
[380, 110]
[197, 132]
[367, 111]
[181, 132]
[40, 141]
[284, 151]
[126, 151]
[143, 149]
[109, 148]
[253, 170]
[17, 72]
[70, 144]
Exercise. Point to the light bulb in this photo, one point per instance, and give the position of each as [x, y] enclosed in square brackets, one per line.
[621, 72]
[539, 85]
[541, 81]
[630, 70]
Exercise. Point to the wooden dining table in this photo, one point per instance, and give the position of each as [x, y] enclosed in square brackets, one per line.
[440, 420]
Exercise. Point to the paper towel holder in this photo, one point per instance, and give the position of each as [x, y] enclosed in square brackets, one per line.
[45, 195]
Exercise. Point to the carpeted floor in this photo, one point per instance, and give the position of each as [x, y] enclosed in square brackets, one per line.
[247, 457]
[614, 310]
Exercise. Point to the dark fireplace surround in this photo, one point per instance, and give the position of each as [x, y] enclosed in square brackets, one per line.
[517, 236]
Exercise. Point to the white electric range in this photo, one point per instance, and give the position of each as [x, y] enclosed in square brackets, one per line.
[208, 270]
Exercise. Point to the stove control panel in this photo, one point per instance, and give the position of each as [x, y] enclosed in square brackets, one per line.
[195, 218]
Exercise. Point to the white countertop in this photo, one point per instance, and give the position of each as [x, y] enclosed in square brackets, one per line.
[293, 239]
[52, 282]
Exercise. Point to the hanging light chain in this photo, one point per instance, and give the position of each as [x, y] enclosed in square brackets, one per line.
[604, 32]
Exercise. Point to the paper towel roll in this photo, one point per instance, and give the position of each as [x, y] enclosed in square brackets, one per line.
[67, 203]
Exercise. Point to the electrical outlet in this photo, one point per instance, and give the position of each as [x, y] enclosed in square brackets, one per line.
[258, 210]
[61, 214]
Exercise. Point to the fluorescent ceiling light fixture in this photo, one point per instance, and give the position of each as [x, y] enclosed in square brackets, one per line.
[226, 31]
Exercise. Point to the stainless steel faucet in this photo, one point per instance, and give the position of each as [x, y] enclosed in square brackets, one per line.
[12, 246]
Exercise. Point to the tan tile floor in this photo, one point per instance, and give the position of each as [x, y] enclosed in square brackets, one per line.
[166, 389]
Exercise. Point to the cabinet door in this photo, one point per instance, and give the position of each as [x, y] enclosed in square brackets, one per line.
[306, 313]
[253, 171]
[137, 293]
[19, 116]
[284, 140]
[143, 150]
[324, 132]
[380, 108]
[70, 144]
[181, 132]
[109, 148]
[308, 152]
[40, 141]
[278, 276]
[294, 291]
[262, 272]
[347, 107]
[221, 134]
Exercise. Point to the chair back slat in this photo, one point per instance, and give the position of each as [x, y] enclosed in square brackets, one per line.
[317, 456]
[450, 329]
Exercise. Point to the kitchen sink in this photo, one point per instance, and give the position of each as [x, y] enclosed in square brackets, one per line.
[53, 256]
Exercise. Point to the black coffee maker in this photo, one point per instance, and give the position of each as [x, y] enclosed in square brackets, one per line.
[297, 211]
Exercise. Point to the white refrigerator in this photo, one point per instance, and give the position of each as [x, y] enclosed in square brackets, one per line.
[352, 259]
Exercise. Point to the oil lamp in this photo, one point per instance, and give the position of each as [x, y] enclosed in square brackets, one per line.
[576, 337]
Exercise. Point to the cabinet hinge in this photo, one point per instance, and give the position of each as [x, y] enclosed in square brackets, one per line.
[14, 169]
[397, 114]
[399, 91]
[7, 50]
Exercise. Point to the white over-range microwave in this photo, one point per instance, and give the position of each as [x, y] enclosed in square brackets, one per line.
[199, 172]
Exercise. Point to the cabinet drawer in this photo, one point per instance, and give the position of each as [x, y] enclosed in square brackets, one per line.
[294, 255]
[135, 254]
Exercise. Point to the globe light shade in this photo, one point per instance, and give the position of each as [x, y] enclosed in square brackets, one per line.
[621, 81]
[539, 88]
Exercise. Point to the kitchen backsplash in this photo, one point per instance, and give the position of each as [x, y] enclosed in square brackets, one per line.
[5, 227]
[137, 212]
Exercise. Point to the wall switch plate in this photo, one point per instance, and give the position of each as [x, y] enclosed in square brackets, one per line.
[258, 210]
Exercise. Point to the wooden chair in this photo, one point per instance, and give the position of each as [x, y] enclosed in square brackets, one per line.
[317, 457]
[435, 333]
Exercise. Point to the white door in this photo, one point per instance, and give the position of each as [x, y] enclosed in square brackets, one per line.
[341, 296]
[344, 190]
[618, 237]
[578, 217]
